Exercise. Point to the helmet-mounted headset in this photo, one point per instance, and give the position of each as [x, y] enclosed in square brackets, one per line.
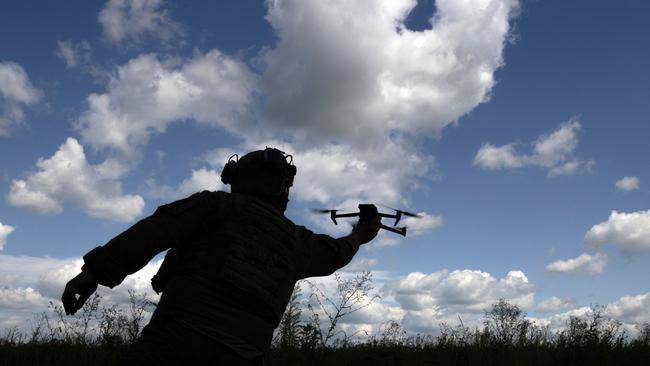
[269, 160]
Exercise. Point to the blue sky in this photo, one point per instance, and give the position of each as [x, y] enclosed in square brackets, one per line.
[519, 129]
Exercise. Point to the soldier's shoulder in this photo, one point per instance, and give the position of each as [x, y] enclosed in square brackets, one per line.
[210, 195]
[196, 200]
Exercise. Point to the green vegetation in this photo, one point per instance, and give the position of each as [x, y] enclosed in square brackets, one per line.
[99, 335]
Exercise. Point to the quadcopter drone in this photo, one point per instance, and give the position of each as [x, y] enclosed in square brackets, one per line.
[368, 212]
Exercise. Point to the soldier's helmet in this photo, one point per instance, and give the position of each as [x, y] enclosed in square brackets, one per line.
[267, 174]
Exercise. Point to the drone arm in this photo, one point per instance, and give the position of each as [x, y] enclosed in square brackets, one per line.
[348, 215]
[400, 230]
[398, 216]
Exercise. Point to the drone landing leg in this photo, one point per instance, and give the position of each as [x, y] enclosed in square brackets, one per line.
[401, 231]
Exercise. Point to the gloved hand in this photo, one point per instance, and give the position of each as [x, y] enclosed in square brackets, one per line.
[366, 230]
[84, 285]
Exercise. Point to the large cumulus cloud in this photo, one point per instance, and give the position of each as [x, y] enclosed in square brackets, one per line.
[351, 71]
[469, 290]
[348, 89]
[148, 93]
[29, 284]
[67, 176]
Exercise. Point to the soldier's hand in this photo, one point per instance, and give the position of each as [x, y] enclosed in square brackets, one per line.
[84, 285]
[366, 230]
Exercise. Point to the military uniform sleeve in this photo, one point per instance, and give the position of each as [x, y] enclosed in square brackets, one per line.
[323, 255]
[170, 225]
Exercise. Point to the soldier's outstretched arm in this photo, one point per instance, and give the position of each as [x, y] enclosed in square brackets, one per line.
[324, 255]
[131, 250]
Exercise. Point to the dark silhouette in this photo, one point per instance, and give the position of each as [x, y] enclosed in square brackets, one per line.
[231, 269]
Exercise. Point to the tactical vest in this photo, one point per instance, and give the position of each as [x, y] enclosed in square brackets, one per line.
[250, 256]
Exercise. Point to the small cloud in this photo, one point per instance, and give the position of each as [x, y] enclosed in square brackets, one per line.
[16, 91]
[554, 151]
[123, 20]
[628, 184]
[461, 290]
[423, 224]
[584, 263]
[73, 54]
[67, 176]
[629, 232]
[384, 242]
[200, 180]
[5, 230]
[362, 264]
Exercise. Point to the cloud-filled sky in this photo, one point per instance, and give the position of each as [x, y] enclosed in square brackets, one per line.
[518, 129]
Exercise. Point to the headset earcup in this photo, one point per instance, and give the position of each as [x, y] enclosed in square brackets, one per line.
[229, 172]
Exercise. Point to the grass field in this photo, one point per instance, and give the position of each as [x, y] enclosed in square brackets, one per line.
[99, 335]
[67, 354]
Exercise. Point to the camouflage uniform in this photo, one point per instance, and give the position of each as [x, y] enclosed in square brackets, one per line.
[237, 262]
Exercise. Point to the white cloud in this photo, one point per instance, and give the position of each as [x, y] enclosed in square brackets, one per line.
[16, 91]
[631, 309]
[73, 54]
[25, 271]
[465, 291]
[422, 225]
[584, 263]
[20, 298]
[553, 151]
[420, 302]
[629, 232]
[67, 176]
[132, 20]
[628, 184]
[384, 77]
[148, 94]
[348, 120]
[338, 176]
[555, 304]
[352, 119]
[338, 173]
[360, 264]
[201, 179]
[443, 296]
[5, 230]
[382, 242]
[35, 281]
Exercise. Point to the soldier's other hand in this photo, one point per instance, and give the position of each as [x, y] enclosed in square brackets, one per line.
[84, 285]
[366, 230]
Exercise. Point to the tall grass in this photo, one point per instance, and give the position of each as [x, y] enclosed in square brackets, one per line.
[100, 335]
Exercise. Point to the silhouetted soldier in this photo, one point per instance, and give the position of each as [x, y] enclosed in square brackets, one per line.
[231, 269]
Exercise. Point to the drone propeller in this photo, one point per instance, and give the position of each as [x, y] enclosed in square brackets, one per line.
[333, 214]
[321, 210]
[405, 213]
